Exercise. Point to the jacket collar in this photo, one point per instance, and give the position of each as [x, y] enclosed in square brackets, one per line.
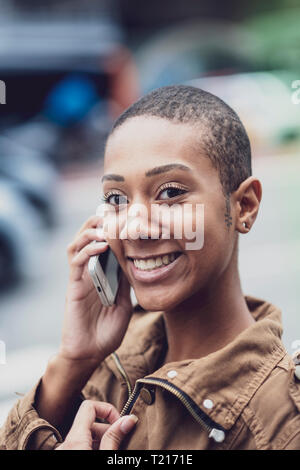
[228, 377]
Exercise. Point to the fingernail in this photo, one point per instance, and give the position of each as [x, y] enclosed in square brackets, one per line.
[128, 423]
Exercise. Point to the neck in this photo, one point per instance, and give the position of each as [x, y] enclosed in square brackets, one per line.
[208, 320]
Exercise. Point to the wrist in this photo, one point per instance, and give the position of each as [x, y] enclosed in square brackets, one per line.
[72, 372]
[73, 360]
[58, 397]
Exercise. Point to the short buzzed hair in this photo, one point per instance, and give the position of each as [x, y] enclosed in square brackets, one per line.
[223, 137]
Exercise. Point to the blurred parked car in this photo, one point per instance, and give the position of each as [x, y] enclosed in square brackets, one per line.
[34, 177]
[19, 224]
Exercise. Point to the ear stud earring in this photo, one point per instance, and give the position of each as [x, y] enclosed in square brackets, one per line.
[245, 224]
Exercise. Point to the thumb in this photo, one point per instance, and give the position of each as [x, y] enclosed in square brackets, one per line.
[112, 438]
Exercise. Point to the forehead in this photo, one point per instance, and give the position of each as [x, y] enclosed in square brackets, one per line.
[143, 142]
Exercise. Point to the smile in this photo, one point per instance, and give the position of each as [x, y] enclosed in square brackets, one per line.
[154, 268]
[154, 263]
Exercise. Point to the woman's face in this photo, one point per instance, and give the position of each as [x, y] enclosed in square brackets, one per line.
[152, 161]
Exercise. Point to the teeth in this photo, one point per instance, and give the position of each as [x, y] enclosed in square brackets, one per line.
[165, 259]
[143, 264]
[158, 261]
[152, 263]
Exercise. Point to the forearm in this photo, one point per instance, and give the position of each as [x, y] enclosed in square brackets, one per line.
[58, 396]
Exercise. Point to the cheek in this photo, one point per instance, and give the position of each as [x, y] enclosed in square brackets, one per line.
[186, 224]
[211, 259]
[217, 248]
[194, 227]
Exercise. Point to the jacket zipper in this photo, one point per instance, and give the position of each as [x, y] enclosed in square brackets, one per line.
[122, 372]
[214, 431]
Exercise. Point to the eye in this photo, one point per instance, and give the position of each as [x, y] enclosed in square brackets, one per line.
[115, 199]
[171, 191]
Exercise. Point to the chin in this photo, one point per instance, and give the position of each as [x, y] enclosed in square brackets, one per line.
[159, 302]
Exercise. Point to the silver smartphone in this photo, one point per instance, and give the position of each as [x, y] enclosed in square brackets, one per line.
[105, 272]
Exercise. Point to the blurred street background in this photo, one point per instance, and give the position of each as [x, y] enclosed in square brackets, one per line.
[70, 68]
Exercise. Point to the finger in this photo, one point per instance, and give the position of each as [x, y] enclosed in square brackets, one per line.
[106, 411]
[84, 419]
[112, 438]
[92, 222]
[78, 262]
[84, 238]
[88, 411]
[98, 429]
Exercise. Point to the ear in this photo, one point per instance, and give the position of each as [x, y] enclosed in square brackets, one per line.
[247, 200]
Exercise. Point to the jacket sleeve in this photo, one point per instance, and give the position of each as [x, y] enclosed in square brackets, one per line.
[294, 443]
[24, 429]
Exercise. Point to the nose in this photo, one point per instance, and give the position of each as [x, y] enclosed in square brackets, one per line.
[137, 223]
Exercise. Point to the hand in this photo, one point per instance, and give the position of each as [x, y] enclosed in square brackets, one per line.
[91, 331]
[87, 434]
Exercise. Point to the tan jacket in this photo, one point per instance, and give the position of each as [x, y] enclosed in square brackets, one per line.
[243, 396]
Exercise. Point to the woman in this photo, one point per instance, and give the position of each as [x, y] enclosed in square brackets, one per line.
[200, 364]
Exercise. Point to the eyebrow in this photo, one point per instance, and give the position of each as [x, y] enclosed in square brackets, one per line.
[164, 168]
[113, 177]
[155, 171]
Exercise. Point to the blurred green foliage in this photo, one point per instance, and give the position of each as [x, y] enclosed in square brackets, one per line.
[278, 34]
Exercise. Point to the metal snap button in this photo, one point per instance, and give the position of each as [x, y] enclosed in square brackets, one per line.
[147, 395]
[172, 374]
[208, 404]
